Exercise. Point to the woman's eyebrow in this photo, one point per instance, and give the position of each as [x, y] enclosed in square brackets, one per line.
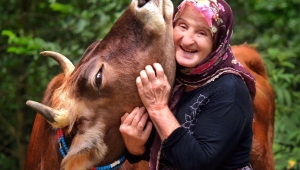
[178, 19]
[205, 27]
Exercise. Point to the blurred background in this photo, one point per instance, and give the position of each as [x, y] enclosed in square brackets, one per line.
[28, 27]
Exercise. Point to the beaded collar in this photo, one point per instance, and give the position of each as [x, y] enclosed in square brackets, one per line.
[63, 148]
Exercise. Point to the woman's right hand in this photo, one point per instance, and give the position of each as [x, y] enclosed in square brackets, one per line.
[135, 129]
[154, 88]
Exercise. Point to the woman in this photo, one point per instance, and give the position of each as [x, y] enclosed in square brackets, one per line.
[208, 123]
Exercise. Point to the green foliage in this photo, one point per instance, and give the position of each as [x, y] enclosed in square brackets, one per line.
[273, 27]
[7, 163]
[25, 44]
[68, 27]
[27, 28]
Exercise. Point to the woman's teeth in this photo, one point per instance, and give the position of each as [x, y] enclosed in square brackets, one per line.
[190, 51]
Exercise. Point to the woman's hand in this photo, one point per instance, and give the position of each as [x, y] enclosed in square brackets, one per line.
[153, 87]
[135, 129]
[154, 90]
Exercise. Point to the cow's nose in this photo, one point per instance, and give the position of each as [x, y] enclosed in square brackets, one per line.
[141, 3]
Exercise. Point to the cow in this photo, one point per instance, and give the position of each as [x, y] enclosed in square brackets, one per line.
[263, 105]
[85, 103]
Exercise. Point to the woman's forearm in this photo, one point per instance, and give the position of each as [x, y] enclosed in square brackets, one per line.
[164, 121]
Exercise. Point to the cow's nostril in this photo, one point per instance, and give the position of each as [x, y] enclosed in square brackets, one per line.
[141, 3]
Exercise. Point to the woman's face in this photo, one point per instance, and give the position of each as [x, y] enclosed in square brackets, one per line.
[192, 37]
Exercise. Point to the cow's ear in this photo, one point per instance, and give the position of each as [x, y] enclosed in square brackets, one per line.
[92, 46]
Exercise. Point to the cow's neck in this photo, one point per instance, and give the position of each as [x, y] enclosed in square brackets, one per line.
[64, 149]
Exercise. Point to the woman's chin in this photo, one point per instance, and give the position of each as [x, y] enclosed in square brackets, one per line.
[188, 64]
[186, 60]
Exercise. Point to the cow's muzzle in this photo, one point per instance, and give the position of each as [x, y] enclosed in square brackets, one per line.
[141, 3]
[156, 15]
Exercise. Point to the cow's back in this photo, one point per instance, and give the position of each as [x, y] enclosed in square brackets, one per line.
[264, 108]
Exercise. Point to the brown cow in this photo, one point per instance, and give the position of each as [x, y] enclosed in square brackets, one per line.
[264, 108]
[88, 100]
[78, 93]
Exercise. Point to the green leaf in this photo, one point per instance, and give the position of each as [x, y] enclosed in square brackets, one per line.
[63, 8]
[11, 36]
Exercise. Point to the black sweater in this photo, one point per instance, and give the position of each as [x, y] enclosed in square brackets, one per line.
[216, 130]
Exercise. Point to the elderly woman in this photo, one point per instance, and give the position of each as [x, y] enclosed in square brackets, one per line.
[208, 123]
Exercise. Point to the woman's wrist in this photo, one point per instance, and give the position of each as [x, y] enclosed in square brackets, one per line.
[156, 111]
[164, 121]
[137, 151]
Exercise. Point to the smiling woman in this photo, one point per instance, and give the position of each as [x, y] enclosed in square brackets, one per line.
[208, 123]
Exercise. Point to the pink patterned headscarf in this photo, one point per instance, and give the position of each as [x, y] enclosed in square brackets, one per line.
[209, 9]
[219, 17]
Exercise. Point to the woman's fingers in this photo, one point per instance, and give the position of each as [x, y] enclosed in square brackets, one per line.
[148, 129]
[150, 73]
[129, 117]
[145, 126]
[143, 121]
[124, 117]
[144, 77]
[160, 74]
[137, 118]
[134, 118]
[139, 83]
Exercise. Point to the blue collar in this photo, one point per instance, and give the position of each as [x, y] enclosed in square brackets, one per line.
[63, 148]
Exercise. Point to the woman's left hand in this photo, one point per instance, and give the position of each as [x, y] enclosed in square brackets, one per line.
[135, 129]
[153, 87]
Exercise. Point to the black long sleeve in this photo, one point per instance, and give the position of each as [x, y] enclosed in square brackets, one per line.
[216, 130]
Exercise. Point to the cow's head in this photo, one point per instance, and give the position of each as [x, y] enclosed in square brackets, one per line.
[101, 88]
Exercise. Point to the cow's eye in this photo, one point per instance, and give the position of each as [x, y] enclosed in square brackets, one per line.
[99, 77]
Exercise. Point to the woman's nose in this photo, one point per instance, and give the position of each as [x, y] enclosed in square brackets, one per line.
[188, 38]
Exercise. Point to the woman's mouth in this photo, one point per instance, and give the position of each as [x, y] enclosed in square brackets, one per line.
[189, 51]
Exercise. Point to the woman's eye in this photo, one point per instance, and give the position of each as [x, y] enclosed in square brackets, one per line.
[182, 26]
[202, 33]
[99, 77]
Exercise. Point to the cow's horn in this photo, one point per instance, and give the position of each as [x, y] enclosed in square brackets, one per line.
[63, 61]
[58, 119]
